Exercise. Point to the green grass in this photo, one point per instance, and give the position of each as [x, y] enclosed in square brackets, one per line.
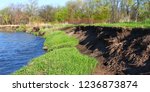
[127, 24]
[144, 24]
[21, 28]
[61, 59]
[59, 39]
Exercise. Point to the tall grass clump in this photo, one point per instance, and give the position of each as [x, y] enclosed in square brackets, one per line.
[21, 28]
[59, 39]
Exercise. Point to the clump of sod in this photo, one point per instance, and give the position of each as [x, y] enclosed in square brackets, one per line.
[58, 39]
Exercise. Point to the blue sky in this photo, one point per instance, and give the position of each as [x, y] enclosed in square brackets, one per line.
[5, 3]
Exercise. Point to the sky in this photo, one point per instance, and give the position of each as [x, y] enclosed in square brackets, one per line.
[5, 3]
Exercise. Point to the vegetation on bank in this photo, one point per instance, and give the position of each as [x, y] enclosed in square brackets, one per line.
[77, 11]
[62, 57]
[144, 24]
[59, 39]
[58, 26]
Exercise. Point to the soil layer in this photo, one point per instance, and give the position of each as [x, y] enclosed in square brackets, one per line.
[118, 50]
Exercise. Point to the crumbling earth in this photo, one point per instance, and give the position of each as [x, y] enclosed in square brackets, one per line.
[118, 50]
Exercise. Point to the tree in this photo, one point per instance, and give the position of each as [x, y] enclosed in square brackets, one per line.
[61, 14]
[78, 11]
[47, 13]
[144, 10]
[18, 14]
[6, 16]
[32, 10]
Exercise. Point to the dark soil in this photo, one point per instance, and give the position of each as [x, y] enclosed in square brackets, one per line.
[118, 50]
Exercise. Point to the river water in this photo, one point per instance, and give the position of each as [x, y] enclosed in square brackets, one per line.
[17, 49]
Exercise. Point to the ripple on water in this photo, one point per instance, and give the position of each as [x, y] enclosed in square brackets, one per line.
[17, 49]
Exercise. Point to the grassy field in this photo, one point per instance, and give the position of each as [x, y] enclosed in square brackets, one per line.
[62, 58]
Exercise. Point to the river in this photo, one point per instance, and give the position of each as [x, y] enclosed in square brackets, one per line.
[17, 49]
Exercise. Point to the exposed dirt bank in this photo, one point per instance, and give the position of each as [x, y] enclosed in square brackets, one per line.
[118, 50]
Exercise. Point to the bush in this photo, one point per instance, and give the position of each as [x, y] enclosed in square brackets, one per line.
[21, 28]
[147, 21]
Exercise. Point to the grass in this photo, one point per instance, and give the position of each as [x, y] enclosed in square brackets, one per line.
[59, 39]
[144, 24]
[60, 61]
[21, 28]
[126, 24]
[62, 58]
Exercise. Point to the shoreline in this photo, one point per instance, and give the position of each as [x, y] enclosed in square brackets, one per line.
[101, 33]
[67, 45]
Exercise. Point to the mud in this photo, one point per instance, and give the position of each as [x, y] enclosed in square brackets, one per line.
[118, 50]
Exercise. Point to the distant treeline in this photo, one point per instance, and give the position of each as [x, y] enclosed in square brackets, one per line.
[78, 11]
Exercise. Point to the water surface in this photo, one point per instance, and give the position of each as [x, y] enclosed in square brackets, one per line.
[17, 49]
